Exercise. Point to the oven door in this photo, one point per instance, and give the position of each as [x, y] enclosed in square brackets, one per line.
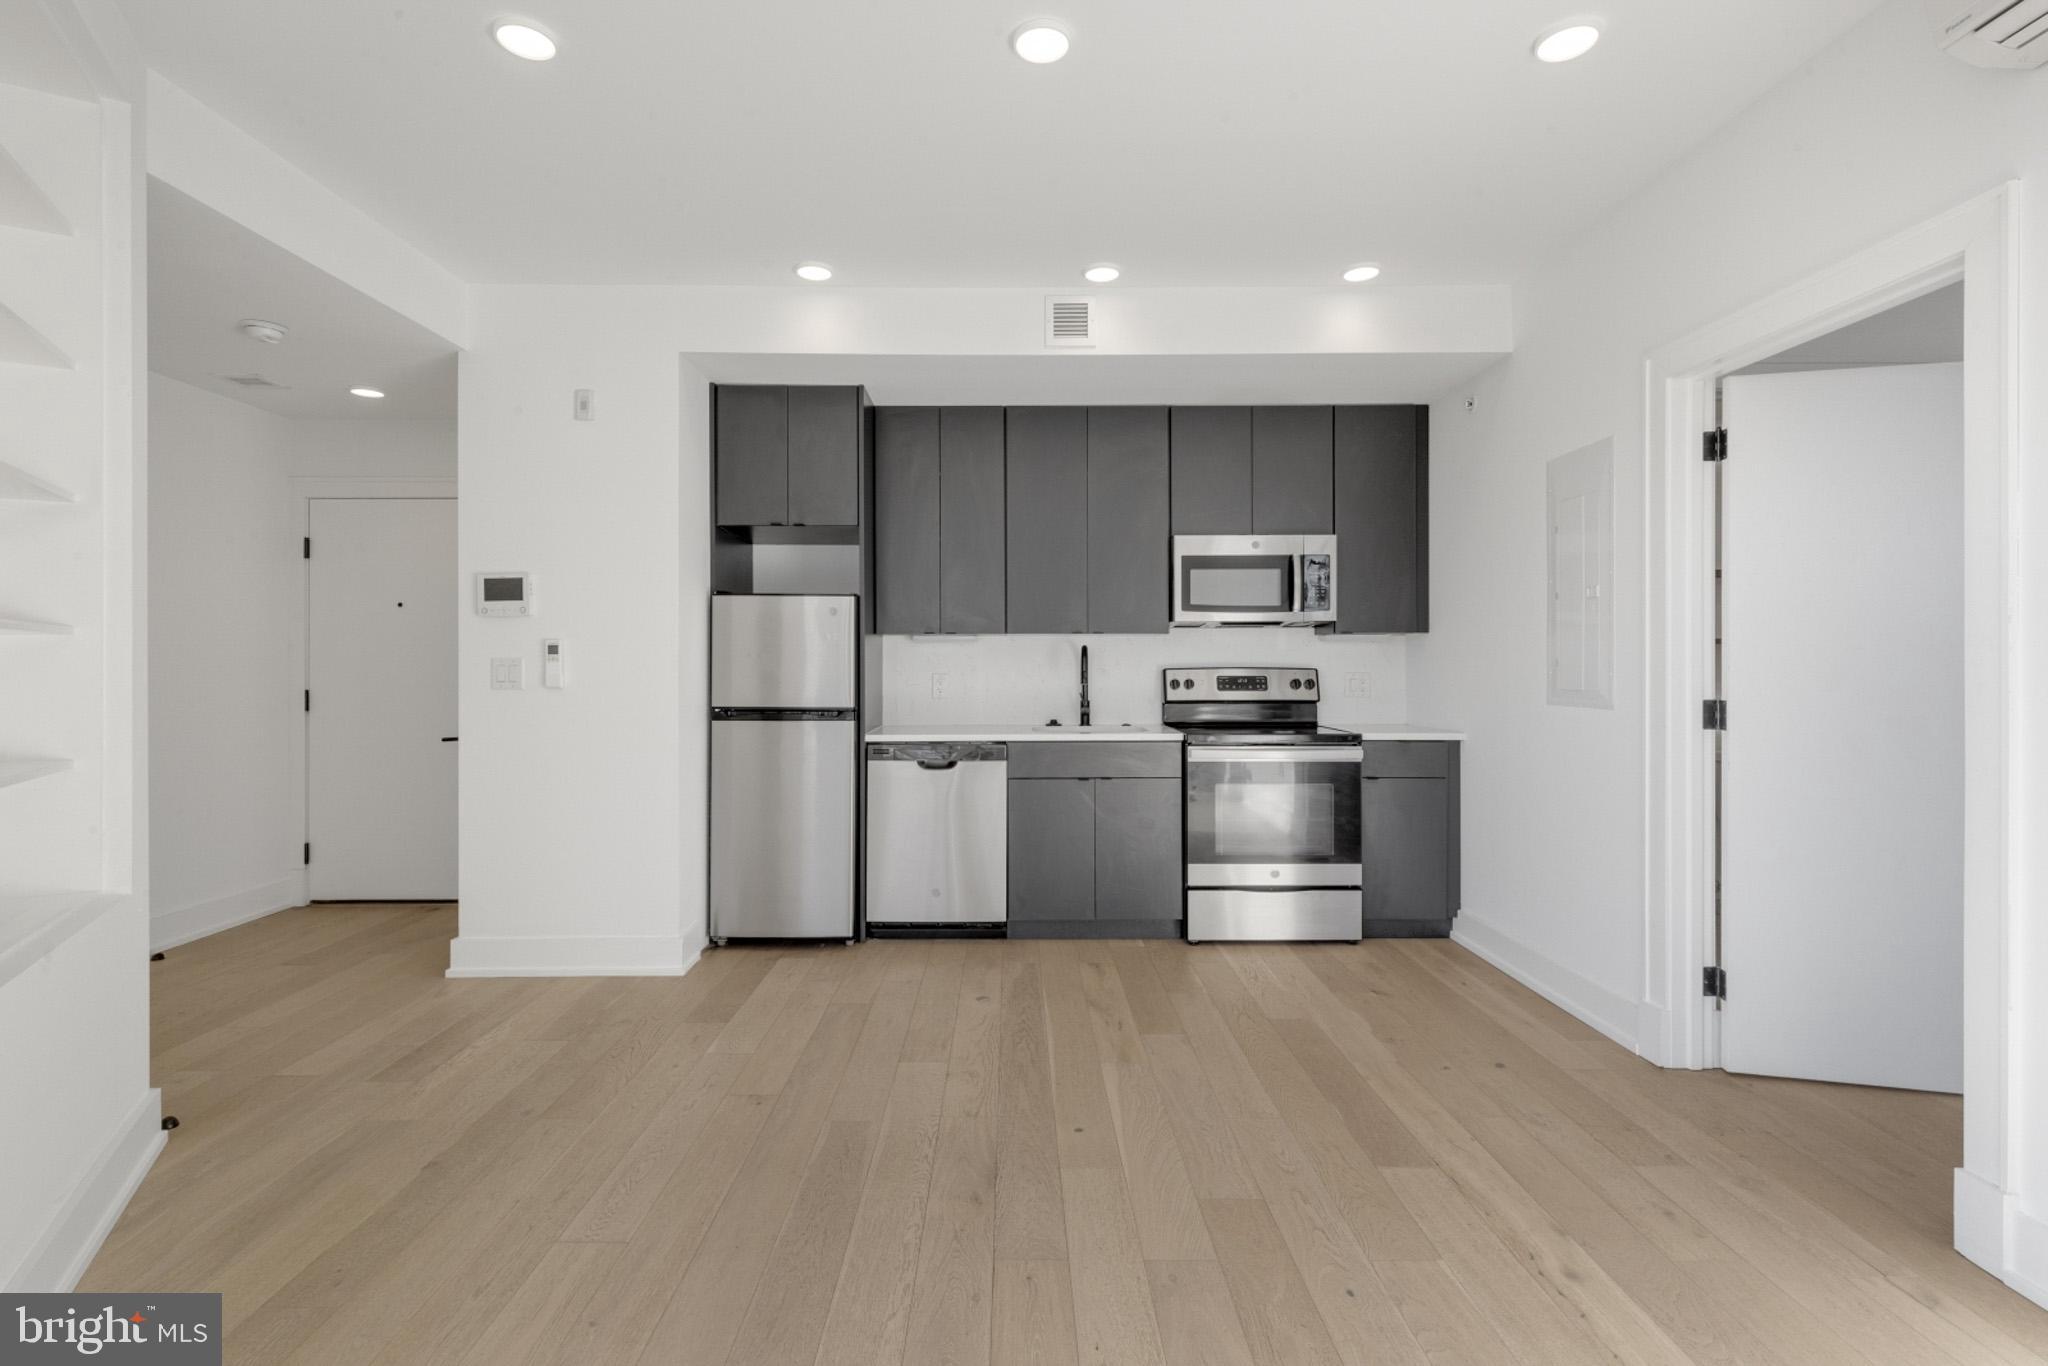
[1284, 816]
[1236, 580]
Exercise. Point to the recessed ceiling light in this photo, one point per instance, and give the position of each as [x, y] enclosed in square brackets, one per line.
[1101, 275]
[815, 271]
[1040, 41]
[524, 40]
[367, 393]
[1565, 44]
[1358, 275]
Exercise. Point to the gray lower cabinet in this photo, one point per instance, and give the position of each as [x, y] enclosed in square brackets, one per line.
[1409, 838]
[1291, 484]
[1382, 515]
[1129, 560]
[1095, 857]
[1046, 516]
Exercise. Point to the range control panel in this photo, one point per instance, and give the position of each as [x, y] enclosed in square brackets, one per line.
[1230, 685]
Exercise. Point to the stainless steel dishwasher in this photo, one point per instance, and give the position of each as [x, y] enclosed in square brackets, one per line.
[938, 837]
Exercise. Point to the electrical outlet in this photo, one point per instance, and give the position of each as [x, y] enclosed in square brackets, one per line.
[1358, 685]
[508, 673]
[939, 682]
[586, 405]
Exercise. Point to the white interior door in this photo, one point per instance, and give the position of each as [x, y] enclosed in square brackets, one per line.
[380, 785]
[1842, 825]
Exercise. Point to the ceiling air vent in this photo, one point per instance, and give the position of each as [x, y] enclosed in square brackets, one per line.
[1069, 320]
[1996, 33]
[254, 382]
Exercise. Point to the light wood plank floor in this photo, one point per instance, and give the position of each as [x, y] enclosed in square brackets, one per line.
[1069, 1153]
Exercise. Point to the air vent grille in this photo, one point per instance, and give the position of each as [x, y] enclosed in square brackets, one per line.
[1070, 321]
[254, 382]
[1994, 33]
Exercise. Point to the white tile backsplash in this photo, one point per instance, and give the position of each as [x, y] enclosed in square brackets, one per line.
[1033, 679]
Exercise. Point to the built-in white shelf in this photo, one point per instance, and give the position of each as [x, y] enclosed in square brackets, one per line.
[21, 344]
[26, 626]
[21, 769]
[23, 203]
[21, 486]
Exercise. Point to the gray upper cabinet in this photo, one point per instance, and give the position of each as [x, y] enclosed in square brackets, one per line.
[1128, 529]
[788, 456]
[1138, 872]
[1046, 476]
[907, 510]
[824, 455]
[971, 534]
[1212, 471]
[1382, 483]
[752, 430]
[1291, 483]
[1052, 849]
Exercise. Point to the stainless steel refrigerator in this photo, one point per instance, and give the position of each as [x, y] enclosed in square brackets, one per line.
[784, 753]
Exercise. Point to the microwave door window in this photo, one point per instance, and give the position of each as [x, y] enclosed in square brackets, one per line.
[1238, 583]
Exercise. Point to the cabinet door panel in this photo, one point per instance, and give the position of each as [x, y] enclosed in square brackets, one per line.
[753, 454]
[1212, 471]
[971, 540]
[1046, 474]
[1138, 872]
[824, 455]
[1052, 849]
[1291, 489]
[907, 584]
[1129, 550]
[1381, 516]
[1405, 837]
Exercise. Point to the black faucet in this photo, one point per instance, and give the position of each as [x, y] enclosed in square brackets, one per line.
[1084, 685]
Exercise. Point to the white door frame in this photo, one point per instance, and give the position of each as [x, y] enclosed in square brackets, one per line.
[305, 488]
[1976, 243]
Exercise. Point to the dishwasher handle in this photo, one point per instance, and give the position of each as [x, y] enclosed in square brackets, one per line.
[937, 765]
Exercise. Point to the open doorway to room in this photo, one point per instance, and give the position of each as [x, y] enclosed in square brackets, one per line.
[1839, 746]
[302, 592]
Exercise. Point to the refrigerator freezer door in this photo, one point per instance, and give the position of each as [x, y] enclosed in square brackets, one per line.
[783, 651]
[782, 829]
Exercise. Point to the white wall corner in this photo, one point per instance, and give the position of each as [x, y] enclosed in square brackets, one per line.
[73, 1238]
[1612, 1014]
[665, 955]
[168, 929]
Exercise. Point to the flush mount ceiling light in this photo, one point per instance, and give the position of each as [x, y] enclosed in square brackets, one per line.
[1100, 274]
[524, 40]
[1040, 41]
[1359, 274]
[817, 272]
[255, 329]
[367, 393]
[1567, 43]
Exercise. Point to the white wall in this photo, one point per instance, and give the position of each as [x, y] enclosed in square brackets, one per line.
[228, 639]
[1034, 679]
[1880, 133]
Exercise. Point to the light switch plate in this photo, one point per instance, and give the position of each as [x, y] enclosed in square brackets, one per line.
[508, 673]
[1358, 684]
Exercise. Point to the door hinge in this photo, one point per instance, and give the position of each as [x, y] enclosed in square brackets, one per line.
[309, 548]
[309, 855]
[1714, 714]
[309, 699]
[1714, 983]
[1714, 444]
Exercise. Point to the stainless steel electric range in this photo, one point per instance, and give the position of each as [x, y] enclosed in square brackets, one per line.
[1272, 800]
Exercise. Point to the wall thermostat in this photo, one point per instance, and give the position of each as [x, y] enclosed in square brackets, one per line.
[501, 593]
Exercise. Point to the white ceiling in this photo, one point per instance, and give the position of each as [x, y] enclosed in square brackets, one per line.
[207, 273]
[1200, 142]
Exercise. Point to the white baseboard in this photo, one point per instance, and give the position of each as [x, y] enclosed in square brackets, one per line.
[168, 929]
[73, 1238]
[571, 956]
[1980, 1221]
[2028, 1243]
[1612, 1014]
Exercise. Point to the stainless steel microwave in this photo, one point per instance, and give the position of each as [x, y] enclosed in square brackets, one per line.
[1254, 580]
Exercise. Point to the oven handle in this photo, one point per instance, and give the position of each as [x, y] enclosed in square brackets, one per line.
[1277, 754]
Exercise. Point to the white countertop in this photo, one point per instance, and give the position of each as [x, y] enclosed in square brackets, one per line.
[911, 735]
